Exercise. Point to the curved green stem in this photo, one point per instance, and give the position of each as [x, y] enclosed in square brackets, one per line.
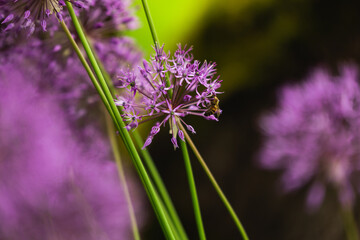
[174, 222]
[216, 185]
[169, 209]
[116, 153]
[349, 224]
[193, 193]
[154, 199]
[86, 65]
[150, 22]
[160, 185]
[111, 132]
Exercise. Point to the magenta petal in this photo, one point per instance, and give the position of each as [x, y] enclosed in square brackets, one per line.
[174, 142]
[27, 14]
[8, 18]
[147, 142]
[181, 135]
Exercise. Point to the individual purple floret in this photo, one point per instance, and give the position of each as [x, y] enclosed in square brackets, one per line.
[29, 13]
[169, 88]
[52, 186]
[314, 135]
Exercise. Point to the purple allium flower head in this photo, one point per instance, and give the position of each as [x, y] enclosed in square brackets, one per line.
[193, 85]
[314, 135]
[29, 13]
[52, 186]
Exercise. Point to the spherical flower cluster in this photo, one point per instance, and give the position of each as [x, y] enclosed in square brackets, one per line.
[51, 185]
[314, 135]
[169, 88]
[27, 13]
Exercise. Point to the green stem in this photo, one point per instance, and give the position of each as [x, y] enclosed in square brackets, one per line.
[111, 133]
[154, 199]
[173, 223]
[216, 185]
[116, 153]
[193, 193]
[183, 146]
[150, 22]
[155, 38]
[171, 215]
[160, 185]
[349, 224]
[107, 78]
[86, 65]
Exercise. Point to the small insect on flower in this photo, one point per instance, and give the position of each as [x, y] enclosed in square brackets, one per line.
[214, 108]
[28, 13]
[170, 88]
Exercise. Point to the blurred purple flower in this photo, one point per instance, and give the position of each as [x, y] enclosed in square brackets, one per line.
[51, 185]
[52, 56]
[314, 135]
[192, 83]
[77, 92]
[103, 23]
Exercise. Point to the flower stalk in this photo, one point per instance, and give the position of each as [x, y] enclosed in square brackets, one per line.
[168, 206]
[86, 65]
[215, 185]
[171, 213]
[150, 22]
[160, 185]
[193, 193]
[115, 148]
[154, 199]
[349, 223]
